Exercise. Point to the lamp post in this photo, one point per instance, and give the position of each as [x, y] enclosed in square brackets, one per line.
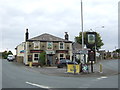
[82, 25]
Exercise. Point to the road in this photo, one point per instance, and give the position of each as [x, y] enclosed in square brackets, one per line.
[20, 76]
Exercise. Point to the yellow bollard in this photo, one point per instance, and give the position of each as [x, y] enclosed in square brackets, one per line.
[101, 68]
[30, 64]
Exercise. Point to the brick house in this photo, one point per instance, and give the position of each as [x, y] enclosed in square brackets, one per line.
[56, 48]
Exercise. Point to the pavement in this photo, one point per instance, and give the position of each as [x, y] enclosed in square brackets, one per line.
[108, 70]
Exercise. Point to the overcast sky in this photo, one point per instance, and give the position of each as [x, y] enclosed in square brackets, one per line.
[56, 17]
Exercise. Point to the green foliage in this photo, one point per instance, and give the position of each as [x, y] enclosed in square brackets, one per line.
[118, 50]
[5, 54]
[9, 52]
[99, 42]
[41, 60]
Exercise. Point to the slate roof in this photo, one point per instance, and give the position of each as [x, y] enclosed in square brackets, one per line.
[48, 37]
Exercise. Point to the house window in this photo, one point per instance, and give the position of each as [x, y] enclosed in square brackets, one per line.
[61, 45]
[36, 57]
[36, 45]
[61, 56]
[49, 45]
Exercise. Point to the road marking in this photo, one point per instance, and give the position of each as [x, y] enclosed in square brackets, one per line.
[41, 86]
[102, 77]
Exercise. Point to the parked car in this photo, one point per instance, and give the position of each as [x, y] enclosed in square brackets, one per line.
[63, 63]
[10, 57]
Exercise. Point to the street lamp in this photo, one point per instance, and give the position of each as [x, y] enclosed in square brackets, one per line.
[82, 25]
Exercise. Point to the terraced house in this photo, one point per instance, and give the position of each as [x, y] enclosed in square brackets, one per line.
[56, 48]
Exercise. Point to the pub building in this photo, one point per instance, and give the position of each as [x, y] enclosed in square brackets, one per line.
[56, 48]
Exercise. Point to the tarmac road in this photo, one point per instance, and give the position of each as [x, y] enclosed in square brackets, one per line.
[20, 76]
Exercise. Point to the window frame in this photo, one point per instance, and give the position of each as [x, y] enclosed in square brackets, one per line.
[62, 46]
[51, 45]
[35, 57]
[38, 44]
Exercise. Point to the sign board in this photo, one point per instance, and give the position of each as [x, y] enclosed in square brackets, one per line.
[50, 52]
[71, 68]
[83, 51]
[90, 39]
[61, 51]
[36, 51]
[22, 51]
[85, 68]
[91, 55]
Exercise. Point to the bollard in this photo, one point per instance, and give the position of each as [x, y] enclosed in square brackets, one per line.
[100, 68]
[30, 64]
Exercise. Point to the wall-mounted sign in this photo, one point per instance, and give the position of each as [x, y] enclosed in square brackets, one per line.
[36, 51]
[22, 51]
[50, 52]
[62, 51]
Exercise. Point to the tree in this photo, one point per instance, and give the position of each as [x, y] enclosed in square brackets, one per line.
[4, 55]
[99, 42]
[9, 52]
[117, 50]
[41, 60]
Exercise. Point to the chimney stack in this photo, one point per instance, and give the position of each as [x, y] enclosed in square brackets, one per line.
[66, 36]
[26, 35]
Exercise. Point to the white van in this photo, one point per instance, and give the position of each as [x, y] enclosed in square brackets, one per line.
[10, 57]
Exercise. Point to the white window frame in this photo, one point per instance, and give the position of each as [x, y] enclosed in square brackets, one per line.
[63, 46]
[63, 55]
[51, 46]
[36, 43]
[34, 57]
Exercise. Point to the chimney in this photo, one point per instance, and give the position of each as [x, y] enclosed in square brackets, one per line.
[66, 36]
[26, 35]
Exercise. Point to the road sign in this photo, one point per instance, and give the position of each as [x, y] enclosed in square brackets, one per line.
[83, 51]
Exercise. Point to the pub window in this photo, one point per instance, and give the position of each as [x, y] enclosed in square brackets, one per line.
[36, 57]
[36, 45]
[49, 45]
[61, 56]
[61, 45]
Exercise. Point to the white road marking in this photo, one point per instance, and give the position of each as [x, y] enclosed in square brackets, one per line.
[102, 77]
[41, 86]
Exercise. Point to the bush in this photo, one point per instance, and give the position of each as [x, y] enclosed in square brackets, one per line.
[41, 60]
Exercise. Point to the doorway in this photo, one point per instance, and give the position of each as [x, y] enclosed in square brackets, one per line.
[50, 58]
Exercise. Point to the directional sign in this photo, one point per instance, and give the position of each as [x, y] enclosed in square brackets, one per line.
[83, 51]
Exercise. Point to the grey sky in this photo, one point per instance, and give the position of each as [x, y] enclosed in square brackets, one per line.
[56, 17]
